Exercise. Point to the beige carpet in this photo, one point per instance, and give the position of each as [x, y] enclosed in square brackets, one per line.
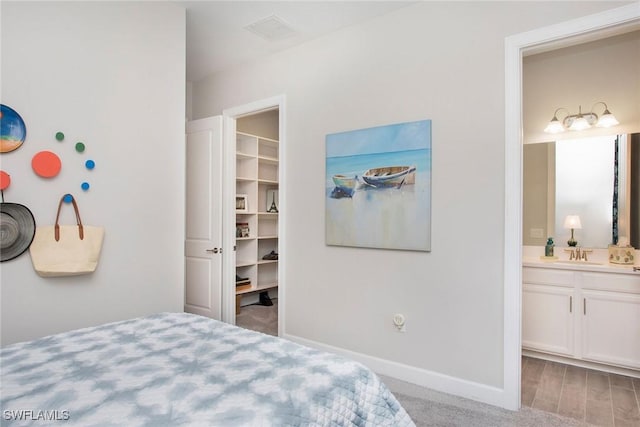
[259, 318]
[427, 408]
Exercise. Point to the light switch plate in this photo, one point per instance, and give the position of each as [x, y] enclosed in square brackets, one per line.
[536, 233]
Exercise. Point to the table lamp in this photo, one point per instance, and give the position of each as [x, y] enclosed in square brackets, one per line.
[572, 222]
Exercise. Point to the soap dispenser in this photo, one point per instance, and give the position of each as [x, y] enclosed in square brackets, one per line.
[548, 248]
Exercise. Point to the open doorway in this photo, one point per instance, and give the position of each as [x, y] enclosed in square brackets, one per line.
[257, 251]
[253, 290]
[572, 32]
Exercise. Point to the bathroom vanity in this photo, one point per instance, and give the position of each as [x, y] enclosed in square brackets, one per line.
[582, 312]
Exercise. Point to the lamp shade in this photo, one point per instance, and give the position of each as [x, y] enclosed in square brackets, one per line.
[554, 126]
[572, 221]
[607, 120]
[580, 123]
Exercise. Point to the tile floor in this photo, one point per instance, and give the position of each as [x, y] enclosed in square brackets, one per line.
[594, 397]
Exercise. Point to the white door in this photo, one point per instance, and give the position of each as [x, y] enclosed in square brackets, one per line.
[547, 318]
[611, 328]
[203, 245]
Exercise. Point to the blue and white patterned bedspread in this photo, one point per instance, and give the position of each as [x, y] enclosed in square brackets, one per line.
[176, 369]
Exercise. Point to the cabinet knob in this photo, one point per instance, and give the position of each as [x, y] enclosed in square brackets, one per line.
[214, 250]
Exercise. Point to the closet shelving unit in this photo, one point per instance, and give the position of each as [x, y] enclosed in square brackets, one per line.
[257, 160]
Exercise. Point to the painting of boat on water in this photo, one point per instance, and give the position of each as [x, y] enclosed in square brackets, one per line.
[378, 187]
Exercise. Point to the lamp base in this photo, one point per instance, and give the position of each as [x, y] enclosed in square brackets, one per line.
[572, 241]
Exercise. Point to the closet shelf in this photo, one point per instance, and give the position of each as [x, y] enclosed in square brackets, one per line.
[257, 175]
[268, 237]
[240, 155]
[268, 160]
[240, 263]
[258, 287]
[267, 182]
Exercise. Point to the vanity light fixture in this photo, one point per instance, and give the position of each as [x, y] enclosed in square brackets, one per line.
[572, 222]
[581, 121]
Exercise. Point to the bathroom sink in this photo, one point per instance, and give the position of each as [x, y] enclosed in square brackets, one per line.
[579, 262]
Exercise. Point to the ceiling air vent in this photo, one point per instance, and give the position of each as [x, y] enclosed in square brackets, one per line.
[271, 28]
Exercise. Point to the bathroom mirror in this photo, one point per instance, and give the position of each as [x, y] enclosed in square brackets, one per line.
[575, 177]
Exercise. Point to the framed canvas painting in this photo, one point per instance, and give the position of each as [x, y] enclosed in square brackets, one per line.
[378, 187]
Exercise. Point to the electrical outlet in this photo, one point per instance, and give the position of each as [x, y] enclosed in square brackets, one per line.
[400, 322]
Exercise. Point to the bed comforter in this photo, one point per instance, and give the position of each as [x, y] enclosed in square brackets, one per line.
[175, 369]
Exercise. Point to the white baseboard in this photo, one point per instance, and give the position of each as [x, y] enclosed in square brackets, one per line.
[433, 380]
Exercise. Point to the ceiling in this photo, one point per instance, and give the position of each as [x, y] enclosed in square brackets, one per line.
[217, 39]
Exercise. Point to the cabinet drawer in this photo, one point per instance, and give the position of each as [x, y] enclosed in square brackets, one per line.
[548, 276]
[627, 283]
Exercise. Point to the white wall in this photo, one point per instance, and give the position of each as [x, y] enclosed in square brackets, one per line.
[112, 75]
[433, 60]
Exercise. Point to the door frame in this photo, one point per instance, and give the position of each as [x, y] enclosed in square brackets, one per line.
[229, 117]
[566, 33]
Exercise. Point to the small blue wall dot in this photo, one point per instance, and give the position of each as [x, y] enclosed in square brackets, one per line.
[90, 164]
[85, 186]
[68, 198]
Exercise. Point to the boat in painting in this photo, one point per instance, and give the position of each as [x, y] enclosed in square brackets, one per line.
[346, 185]
[390, 176]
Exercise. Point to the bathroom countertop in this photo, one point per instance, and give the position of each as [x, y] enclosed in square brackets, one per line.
[579, 265]
[598, 261]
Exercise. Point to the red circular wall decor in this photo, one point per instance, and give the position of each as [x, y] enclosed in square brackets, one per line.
[5, 180]
[46, 164]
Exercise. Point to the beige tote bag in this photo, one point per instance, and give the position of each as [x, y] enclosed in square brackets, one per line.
[66, 250]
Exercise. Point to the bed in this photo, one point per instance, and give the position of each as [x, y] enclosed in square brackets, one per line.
[174, 369]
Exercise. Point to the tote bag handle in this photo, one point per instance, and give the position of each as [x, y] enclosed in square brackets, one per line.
[78, 220]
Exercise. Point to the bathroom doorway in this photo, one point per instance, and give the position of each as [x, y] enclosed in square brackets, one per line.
[580, 30]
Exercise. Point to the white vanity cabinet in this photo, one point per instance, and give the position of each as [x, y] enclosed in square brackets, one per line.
[611, 318]
[582, 315]
[547, 321]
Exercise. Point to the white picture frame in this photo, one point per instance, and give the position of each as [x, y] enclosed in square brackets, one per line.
[242, 203]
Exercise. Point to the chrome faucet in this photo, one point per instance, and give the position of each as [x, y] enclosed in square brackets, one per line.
[575, 254]
[578, 254]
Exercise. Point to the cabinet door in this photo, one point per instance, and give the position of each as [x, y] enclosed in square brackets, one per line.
[547, 318]
[611, 328]
[203, 260]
